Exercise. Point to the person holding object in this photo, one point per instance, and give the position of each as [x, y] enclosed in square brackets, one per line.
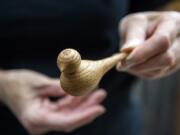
[32, 34]
[155, 39]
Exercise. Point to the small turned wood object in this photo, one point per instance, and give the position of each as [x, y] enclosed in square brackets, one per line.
[79, 77]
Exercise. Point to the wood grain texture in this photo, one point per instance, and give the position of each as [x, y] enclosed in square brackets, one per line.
[79, 77]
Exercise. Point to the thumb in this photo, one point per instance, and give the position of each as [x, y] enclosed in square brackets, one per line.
[52, 88]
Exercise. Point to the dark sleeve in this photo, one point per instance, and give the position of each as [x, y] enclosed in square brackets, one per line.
[5, 56]
[146, 5]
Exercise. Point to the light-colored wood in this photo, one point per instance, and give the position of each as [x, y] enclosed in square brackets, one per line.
[79, 77]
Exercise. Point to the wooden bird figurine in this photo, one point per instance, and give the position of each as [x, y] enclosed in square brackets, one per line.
[79, 77]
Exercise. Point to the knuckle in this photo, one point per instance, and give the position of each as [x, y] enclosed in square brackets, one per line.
[132, 18]
[139, 56]
[164, 41]
[170, 15]
[136, 16]
[135, 61]
[169, 59]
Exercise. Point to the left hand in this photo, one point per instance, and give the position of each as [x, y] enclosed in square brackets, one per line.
[154, 38]
[28, 94]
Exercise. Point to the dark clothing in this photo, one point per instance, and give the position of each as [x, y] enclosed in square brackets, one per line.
[33, 32]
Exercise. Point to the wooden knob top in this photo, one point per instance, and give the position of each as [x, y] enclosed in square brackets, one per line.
[69, 60]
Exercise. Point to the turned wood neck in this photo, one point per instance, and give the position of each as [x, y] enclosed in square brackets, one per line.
[108, 63]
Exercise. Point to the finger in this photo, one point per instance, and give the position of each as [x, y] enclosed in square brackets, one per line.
[169, 59]
[176, 49]
[168, 28]
[164, 35]
[69, 121]
[152, 26]
[155, 74]
[150, 48]
[133, 30]
[95, 98]
[163, 60]
[152, 74]
[52, 88]
[162, 39]
[145, 75]
[153, 21]
[84, 117]
[75, 102]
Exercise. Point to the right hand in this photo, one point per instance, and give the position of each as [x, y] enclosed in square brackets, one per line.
[27, 94]
[154, 38]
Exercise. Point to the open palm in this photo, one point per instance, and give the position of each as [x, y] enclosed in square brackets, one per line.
[31, 101]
